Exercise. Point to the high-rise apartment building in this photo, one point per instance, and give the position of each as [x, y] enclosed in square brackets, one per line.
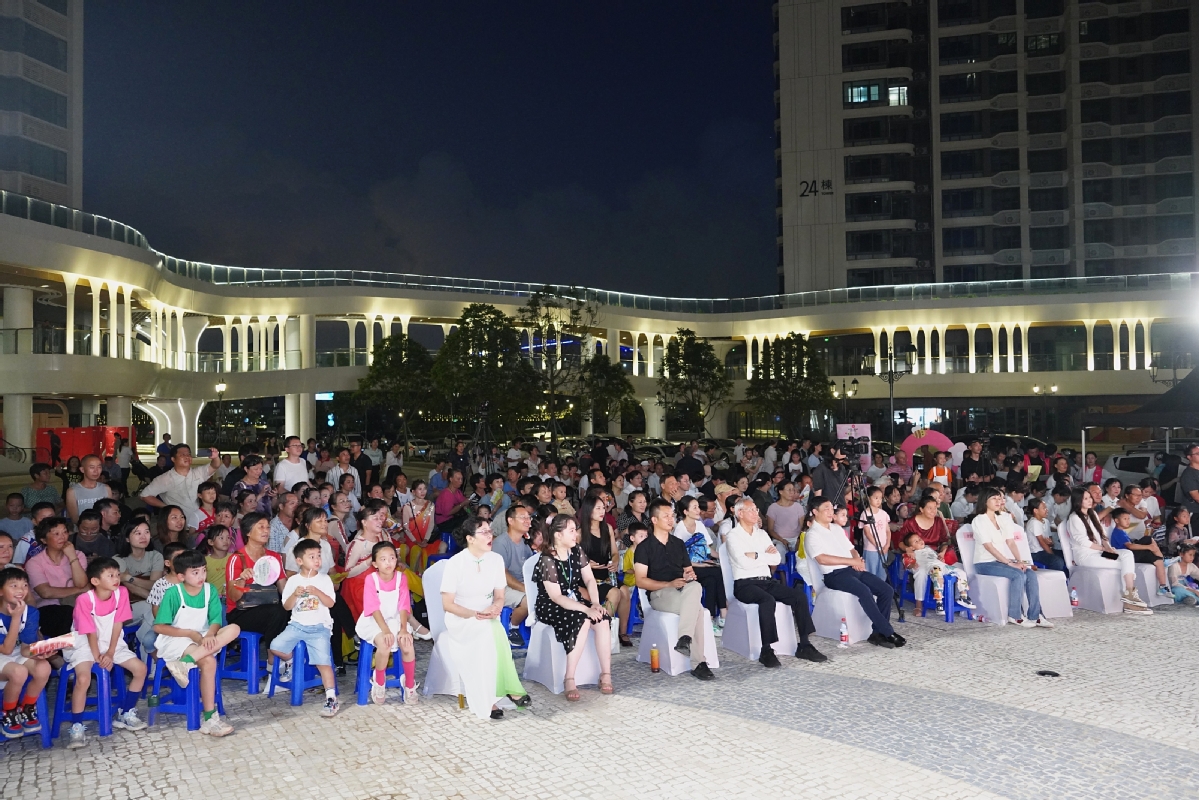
[41, 99]
[973, 140]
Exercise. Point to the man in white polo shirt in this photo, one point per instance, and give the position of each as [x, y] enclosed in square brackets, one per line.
[177, 486]
[293, 469]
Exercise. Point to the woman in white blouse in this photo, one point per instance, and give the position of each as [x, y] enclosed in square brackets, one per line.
[1090, 548]
[996, 553]
[474, 643]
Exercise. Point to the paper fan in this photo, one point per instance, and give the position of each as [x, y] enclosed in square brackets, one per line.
[266, 571]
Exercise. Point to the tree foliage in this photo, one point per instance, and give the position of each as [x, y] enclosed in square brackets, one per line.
[480, 363]
[693, 379]
[604, 387]
[399, 379]
[789, 383]
[556, 317]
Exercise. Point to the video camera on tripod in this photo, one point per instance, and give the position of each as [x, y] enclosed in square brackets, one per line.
[854, 446]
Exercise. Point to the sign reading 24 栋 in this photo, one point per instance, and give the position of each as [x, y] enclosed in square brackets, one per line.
[814, 188]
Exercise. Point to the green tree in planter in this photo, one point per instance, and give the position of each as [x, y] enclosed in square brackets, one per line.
[789, 383]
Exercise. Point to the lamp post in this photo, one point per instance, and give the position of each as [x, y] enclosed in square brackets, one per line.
[1175, 358]
[220, 413]
[892, 375]
[843, 394]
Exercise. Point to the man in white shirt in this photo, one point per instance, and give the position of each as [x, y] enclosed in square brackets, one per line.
[752, 559]
[965, 503]
[177, 486]
[294, 468]
[738, 450]
[769, 458]
[514, 455]
[311, 454]
[344, 467]
[686, 486]
[845, 571]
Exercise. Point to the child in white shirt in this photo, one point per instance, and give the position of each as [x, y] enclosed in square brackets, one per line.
[309, 595]
[923, 562]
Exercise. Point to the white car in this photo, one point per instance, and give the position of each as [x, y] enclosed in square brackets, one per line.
[1130, 467]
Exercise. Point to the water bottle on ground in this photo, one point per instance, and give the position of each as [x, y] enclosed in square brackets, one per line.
[1073, 597]
[654, 664]
[844, 634]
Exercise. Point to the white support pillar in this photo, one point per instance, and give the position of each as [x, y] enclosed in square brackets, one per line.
[928, 350]
[18, 418]
[370, 339]
[129, 323]
[971, 328]
[1089, 324]
[291, 413]
[1011, 347]
[192, 328]
[307, 403]
[120, 411]
[636, 353]
[181, 344]
[1148, 323]
[189, 417]
[405, 321]
[95, 287]
[307, 342]
[878, 353]
[995, 329]
[18, 316]
[227, 344]
[941, 357]
[655, 418]
[1132, 344]
[112, 321]
[70, 282]
[1024, 347]
[613, 347]
[352, 325]
[291, 347]
[243, 346]
[749, 357]
[1116, 325]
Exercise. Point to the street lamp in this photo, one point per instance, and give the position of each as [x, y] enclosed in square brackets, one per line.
[1175, 359]
[892, 375]
[843, 394]
[220, 413]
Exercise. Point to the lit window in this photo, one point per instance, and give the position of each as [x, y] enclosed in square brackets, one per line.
[897, 96]
[861, 93]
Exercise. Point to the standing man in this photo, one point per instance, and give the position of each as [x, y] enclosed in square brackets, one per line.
[164, 449]
[753, 557]
[293, 469]
[177, 486]
[1188, 482]
[459, 460]
[122, 453]
[663, 570]
[83, 495]
[975, 462]
[829, 475]
[362, 462]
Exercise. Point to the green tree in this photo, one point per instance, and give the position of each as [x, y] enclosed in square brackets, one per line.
[604, 387]
[556, 317]
[399, 379]
[693, 380]
[480, 363]
[789, 383]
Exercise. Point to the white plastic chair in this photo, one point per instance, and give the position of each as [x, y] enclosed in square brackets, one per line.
[1099, 590]
[742, 634]
[1055, 593]
[661, 628]
[831, 606]
[545, 659]
[438, 679]
[1147, 586]
[989, 592]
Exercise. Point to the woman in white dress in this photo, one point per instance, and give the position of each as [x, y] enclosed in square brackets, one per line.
[474, 643]
[1090, 547]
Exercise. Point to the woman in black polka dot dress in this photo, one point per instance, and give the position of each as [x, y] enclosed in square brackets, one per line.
[559, 574]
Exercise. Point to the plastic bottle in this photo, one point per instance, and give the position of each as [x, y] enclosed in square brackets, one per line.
[1073, 597]
[844, 634]
[654, 664]
[152, 701]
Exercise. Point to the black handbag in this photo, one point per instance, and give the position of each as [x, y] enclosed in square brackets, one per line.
[257, 595]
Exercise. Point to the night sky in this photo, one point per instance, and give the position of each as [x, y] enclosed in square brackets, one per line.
[624, 145]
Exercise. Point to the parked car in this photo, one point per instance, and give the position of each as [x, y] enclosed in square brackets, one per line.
[1000, 442]
[1130, 467]
[418, 448]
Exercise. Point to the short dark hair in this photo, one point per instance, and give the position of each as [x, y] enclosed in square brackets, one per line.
[304, 545]
[252, 460]
[104, 503]
[1120, 512]
[187, 559]
[15, 496]
[175, 448]
[657, 505]
[38, 467]
[10, 574]
[377, 549]
[250, 520]
[100, 566]
[467, 529]
[45, 526]
[91, 515]
[170, 549]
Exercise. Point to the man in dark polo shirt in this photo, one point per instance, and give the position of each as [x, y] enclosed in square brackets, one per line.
[664, 572]
[975, 462]
[362, 462]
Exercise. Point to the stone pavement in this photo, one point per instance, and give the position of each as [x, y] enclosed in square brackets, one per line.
[959, 712]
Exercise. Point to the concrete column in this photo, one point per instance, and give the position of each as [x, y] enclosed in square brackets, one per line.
[1132, 343]
[970, 330]
[120, 411]
[192, 328]
[189, 417]
[749, 357]
[587, 425]
[227, 343]
[96, 336]
[181, 343]
[878, 353]
[69, 284]
[18, 314]
[243, 346]
[388, 321]
[307, 342]
[18, 418]
[405, 320]
[1116, 324]
[587, 347]
[129, 323]
[291, 413]
[370, 340]
[636, 353]
[1148, 323]
[649, 358]
[291, 346]
[307, 404]
[1089, 324]
[112, 321]
[941, 360]
[1011, 347]
[655, 417]
[613, 348]
[1024, 347]
[928, 350]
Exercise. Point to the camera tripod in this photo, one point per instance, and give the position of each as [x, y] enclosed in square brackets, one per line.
[856, 482]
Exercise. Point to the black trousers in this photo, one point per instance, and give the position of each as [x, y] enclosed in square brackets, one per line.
[711, 578]
[873, 593]
[343, 622]
[55, 620]
[268, 620]
[765, 594]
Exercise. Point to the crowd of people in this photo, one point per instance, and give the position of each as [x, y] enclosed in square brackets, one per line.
[327, 547]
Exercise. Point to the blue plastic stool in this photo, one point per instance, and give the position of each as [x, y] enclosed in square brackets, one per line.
[523, 629]
[304, 676]
[248, 667]
[173, 700]
[634, 612]
[110, 689]
[44, 716]
[366, 665]
[952, 607]
[448, 538]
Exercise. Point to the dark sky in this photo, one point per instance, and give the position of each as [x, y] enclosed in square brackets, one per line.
[625, 145]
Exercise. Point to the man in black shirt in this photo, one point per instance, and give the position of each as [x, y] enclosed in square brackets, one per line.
[362, 462]
[829, 476]
[975, 462]
[691, 466]
[664, 572]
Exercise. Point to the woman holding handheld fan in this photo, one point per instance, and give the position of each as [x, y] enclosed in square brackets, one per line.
[254, 582]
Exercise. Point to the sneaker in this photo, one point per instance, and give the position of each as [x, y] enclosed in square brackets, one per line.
[768, 659]
[702, 671]
[964, 602]
[215, 726]
[878, 640]
[331, 707]
[78, 737]
[1023, 623]
[1132, 608]
[809, 653]
[514, 637]
[180, 672]
[683, 645]
[340, 670]
[410, 697]
[378, 693]
[128, 721]
[285, 672]
[1164, 591]
[717, 630]
[1132, 598]
[10, 725]
[720, 621]
[29, 719]
[1043, 623]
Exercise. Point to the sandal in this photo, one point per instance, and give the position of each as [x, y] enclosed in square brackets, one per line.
[605, 686]
[625, 641]
[521, 701]
[572, 691]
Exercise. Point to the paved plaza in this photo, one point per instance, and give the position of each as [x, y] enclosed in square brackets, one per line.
[959, 712]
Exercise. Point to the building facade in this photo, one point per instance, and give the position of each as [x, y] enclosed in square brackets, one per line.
[41, 99]
[980, 140]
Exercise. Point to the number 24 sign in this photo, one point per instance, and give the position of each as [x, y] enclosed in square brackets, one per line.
[814, 187]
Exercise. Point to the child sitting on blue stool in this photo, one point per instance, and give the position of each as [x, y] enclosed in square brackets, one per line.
[97, 625]
[18, 630]
[189, 631]
[309, 595]
[386, 606]
[924, 563]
